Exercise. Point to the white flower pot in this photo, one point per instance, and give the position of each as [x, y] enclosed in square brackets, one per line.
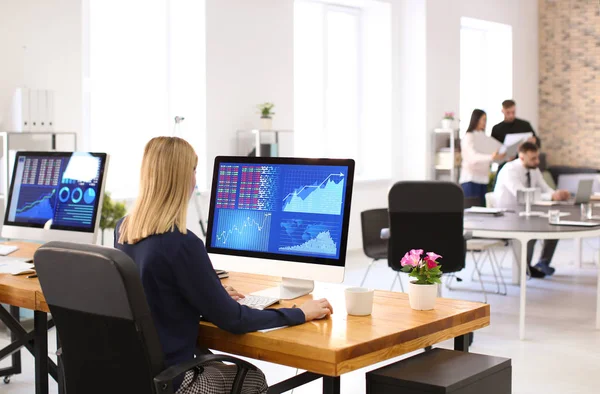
[446, 123]
[266, 123]
[422, 297]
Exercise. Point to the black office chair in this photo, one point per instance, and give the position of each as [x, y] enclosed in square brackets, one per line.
[429, 216]
[372, 221]
[109, 342]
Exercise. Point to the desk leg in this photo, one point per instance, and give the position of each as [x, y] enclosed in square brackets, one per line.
[598, 295]
[461, 343]
[40, 322]
[523, 288]
[516, 266]
[331, 385]
[578, 252]
[15, 311]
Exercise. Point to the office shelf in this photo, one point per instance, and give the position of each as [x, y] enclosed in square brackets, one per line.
[446, 158]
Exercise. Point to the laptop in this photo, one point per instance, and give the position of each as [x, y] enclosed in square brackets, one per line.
[583, 195]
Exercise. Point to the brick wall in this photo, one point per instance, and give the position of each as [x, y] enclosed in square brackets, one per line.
[569, 61]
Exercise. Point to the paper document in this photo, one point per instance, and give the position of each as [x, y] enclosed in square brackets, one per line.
[272, 329]
[512, 143]
[15, 267]
[490, 211]
[485, 144]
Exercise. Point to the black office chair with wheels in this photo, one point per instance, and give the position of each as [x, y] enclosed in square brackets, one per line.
[372, 221]
[109, 342]
[427, 215]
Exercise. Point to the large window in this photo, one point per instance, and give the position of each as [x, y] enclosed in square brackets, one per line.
[485, 69]
[342, 83]
[146, 66]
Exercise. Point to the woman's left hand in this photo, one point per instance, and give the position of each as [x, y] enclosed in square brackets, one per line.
[233, 293]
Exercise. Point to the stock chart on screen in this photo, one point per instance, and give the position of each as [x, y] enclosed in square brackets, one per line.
[280, 208]
[61, 189]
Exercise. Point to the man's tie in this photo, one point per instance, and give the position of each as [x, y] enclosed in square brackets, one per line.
[528, 179]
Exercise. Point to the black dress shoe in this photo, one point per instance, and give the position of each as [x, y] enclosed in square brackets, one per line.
[536, 273]
[545, 268]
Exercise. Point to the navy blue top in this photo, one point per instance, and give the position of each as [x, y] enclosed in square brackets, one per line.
[181, 285]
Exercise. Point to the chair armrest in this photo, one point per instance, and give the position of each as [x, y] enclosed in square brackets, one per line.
[385, 233]
[163, 382]
[467, 235]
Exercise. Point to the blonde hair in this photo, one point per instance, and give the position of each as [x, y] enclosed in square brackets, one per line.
[166, 180]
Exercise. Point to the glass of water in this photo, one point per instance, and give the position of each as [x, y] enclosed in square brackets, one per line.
[553, 216]
[586, 211]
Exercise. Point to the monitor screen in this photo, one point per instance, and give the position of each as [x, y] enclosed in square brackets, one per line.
[55, 190]
[281, 208]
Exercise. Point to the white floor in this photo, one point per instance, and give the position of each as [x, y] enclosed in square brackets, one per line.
[562, 354]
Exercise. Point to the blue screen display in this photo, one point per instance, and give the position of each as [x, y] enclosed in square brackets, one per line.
[59, 190]
[280, 208]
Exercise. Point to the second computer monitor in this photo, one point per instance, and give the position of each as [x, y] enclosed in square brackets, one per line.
[55, 196]
[285, 216]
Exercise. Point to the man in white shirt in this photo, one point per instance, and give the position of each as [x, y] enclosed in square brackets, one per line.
[524, 173]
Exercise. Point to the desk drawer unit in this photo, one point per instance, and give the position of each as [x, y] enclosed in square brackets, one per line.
[443, 371]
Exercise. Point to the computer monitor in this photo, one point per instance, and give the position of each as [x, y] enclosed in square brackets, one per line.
[285, 217]
[55, 196]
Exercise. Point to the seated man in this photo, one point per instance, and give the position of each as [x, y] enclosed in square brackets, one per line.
[524, 173]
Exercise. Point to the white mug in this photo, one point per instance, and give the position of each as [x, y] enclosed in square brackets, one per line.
[359, 301]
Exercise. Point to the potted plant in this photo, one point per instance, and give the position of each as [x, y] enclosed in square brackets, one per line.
[422, 292]
[447, 120]
[112, 211]
[266, 114]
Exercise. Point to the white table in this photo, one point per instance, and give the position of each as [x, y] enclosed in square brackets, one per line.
[525, 229]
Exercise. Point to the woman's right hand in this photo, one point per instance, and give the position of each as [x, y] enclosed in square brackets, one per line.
[316, 309]
[496, 156]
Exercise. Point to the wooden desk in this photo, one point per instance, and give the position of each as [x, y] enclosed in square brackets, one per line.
[327, 348]
[343, 343]
[20, 292]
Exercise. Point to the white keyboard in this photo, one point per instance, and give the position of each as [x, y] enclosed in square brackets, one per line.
[258, 302]
[7, 249]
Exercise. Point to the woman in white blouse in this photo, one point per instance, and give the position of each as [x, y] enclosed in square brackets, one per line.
[475, 167]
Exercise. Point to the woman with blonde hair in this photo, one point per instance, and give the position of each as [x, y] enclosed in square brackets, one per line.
[178, 278]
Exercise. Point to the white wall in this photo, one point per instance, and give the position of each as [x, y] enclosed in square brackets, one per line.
[443, 53]
[249, 60]
[50, 31]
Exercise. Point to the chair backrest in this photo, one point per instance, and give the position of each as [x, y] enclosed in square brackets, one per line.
[372, 221]
[108, 339]
[472, 202]
[429, 216]
[490, 200]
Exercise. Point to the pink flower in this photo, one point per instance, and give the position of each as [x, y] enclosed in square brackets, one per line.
[430, 259]
[410, 259]
[416, 252]
[433, 256]
[430, 263]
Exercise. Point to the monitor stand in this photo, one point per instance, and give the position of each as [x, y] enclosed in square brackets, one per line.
[289, 289]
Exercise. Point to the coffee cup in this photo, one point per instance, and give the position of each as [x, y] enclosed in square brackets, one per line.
[359, 301]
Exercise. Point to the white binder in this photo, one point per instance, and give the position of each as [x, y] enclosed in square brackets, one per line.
[34, 114]
[23, 110]
[42, 110]
[50, 110]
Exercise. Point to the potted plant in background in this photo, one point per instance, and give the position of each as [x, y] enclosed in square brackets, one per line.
[112, 211]
[266, 115]
[422, 292]
[447, 120]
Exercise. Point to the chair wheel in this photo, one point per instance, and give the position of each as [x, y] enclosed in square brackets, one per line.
[6, 379]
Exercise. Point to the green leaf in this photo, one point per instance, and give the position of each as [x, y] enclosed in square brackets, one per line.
[112, 212]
